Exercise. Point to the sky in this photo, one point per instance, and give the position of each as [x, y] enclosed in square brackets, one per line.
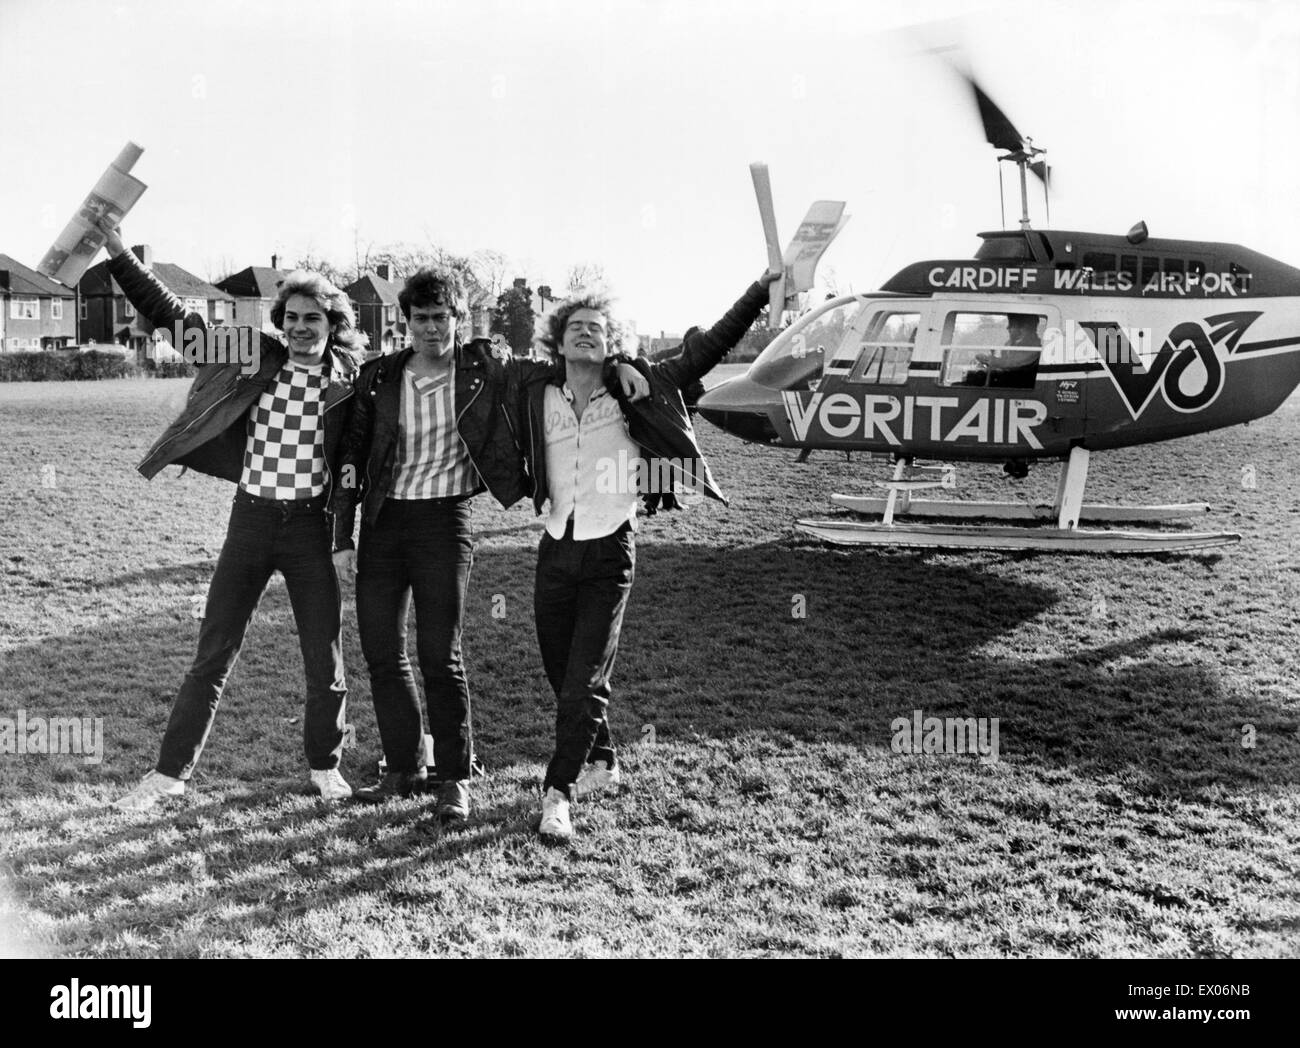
[620, 132]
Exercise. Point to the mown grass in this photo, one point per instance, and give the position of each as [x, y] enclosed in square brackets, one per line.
[768, 816]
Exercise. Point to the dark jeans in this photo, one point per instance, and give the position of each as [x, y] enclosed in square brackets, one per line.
[293, 538]
[417, 549]
[582, 589]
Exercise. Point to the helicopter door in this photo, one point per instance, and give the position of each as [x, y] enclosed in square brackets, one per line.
[1005, 352]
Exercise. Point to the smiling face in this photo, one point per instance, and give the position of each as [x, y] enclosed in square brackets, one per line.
[306, 328]
[433, 330]
[585, 337]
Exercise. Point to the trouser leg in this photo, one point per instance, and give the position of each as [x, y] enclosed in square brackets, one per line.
[442, 556]
[243, 569]
[383, 603]
[606, 568]
[303, 555]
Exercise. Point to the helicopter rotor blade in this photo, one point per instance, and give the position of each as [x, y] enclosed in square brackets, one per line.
[1000, 132]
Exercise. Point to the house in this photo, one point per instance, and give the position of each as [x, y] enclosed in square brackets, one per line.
[374, 300]
[108, 317]
[254, 289]
[35, 312]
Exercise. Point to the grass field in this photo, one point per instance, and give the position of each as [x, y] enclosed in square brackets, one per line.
[763, 811]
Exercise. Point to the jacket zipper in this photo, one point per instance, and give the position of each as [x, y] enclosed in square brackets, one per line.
[194, 421]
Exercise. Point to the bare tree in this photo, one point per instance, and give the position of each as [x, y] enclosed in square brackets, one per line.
[586, 275]
[219, 269]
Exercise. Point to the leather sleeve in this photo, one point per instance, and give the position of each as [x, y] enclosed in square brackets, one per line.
[704, 350]
[353, 453]
[151, 298]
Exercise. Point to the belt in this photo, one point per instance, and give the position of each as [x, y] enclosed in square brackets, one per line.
[315, 504]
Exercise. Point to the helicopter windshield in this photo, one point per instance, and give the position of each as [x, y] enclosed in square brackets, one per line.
[796, 358]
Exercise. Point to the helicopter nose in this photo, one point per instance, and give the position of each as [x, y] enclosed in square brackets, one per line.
[742, 407]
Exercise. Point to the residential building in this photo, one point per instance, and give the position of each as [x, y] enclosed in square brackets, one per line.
[35, 312]
[254, 289]
[374, 300]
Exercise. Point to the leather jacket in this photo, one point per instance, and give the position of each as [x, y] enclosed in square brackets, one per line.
[484, 381]
[660, 423]
[211, 432]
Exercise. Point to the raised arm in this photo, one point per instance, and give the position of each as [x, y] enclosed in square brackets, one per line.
[704, 350]
[146, 292]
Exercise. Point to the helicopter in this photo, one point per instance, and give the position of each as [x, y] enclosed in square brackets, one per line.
[1045, 345]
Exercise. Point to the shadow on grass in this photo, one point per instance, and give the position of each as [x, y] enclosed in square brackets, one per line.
[813, 643]
[804, 644]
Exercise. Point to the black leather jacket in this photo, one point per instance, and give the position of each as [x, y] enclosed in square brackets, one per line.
[211, 432]
[484, 382]
[659, 424]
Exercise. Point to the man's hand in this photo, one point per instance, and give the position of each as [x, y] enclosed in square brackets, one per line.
[113, 238]
[635, 386]
[345, 563]
[771, 276]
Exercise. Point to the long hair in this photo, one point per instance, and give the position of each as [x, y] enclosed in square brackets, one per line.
[619, 337]
[338, 310]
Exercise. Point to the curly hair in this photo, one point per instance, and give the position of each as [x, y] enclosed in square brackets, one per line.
[433, 287]
[337, 307]
[619, 338]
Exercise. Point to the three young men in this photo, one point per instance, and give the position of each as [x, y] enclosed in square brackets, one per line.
[427, 429]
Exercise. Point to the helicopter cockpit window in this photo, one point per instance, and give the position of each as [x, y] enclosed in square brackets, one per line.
[1012, 247]
[886, 351]
[997, 350]
[796, 357]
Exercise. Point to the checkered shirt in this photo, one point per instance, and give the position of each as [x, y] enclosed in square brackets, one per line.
[284, 457]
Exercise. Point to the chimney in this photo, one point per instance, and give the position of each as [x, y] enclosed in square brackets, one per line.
[274, 260]
[381, 271]
[144, 253]
[521, 282]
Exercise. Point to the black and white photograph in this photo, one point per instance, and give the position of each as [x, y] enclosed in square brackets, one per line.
[652, 479]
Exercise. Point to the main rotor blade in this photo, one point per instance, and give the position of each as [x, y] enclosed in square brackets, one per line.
[999, 131]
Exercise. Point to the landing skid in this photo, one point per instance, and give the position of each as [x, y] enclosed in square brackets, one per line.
[1066, 537]
[1041, 511]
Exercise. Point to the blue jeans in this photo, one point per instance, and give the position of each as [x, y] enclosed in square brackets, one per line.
[417, 550]
[581, 593]
[263, 537]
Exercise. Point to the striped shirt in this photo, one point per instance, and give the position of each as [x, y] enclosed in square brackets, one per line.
[284, 455]
[432, 462]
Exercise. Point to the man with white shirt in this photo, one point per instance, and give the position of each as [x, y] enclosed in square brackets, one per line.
[581, 430]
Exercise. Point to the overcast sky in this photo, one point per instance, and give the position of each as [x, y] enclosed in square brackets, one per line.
[621, 132]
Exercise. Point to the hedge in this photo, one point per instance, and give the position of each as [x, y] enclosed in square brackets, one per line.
[88, 366]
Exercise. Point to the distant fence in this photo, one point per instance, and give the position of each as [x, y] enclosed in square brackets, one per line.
[62, 367]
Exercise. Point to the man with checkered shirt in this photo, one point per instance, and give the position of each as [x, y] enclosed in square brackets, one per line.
[276, 433]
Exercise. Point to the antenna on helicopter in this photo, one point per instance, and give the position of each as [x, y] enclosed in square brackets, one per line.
[1021, 151]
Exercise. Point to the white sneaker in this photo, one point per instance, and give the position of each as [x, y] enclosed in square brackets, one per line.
[331, 784]
[555, 816]
[153, 787]
[596, 777]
